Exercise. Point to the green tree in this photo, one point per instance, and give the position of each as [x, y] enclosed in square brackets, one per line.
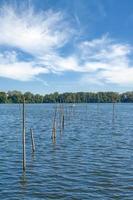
[3, 97]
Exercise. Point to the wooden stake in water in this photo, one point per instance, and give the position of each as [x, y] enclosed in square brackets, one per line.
[113, 111]
[23, 136]
[54, 131]
[97, 102]
[32, 140]
[61, 118]
[63, 121]
[54, 125]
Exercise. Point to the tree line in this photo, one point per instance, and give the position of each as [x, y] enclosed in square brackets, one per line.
[68, 97]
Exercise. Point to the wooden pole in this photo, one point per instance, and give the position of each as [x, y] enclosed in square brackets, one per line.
[54, 131]
[32, 140]
[63, 121]
[113, 111]
[54, 125]
[97, 102]
[60, 118]
[23, 136]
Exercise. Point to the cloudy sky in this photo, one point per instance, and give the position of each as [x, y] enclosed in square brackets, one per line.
[66, 45]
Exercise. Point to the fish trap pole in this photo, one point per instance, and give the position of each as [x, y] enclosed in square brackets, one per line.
[54, 125]
[32, 140]
[23, 135]
[113, 111]
[62, 117]
[63, 121]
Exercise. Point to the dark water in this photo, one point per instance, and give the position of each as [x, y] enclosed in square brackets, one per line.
[91, 159]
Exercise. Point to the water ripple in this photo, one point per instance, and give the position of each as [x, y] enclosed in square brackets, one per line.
[91, 159]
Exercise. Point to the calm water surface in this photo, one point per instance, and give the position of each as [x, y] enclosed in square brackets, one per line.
[91, 159]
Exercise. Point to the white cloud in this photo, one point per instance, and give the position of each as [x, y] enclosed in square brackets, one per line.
[38, 34]
[120, 75]
[43, 35]
[34, 33]
[108, 59]
[10, 67]
[57, 64]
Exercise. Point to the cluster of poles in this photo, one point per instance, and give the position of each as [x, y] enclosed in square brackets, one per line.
[58, 120]
[59, 109]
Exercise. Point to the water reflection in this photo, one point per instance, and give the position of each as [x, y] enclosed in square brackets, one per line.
[54, 141]
[23, 180]
[33, 156]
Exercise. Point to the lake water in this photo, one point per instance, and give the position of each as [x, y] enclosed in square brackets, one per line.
[91, 159]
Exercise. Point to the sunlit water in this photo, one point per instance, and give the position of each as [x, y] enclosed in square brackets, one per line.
[91, 159]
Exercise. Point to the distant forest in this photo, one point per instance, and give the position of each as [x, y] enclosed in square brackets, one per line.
[79, 97]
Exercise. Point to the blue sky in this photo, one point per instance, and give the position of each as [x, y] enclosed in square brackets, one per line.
[66, 45]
